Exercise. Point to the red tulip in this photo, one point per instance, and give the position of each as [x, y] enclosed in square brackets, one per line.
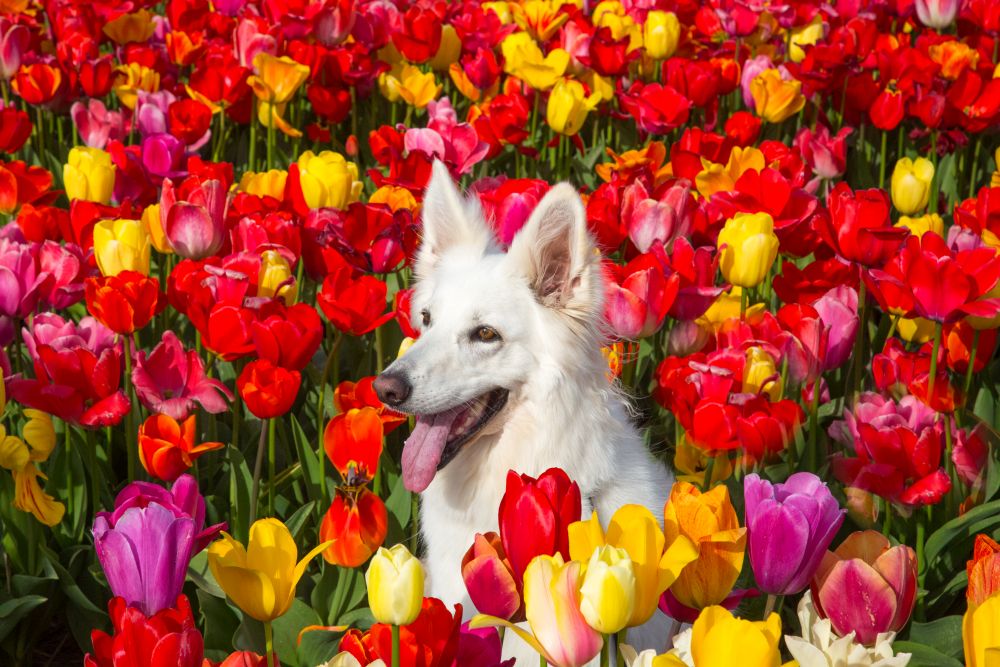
[356, 524]
[638, 296]
[277, 325]
[806, 285]
[124, 303]
[168, 638]
[696, 270]
[15, 128]
[858, 227]
[430, 641]
[188, 120]
[825, 155]
[21, 184]
[419, 34]
[657, 220]
[96, 76]
[609, 56]
[353, 305]
[657, 108]
[535, 515]
[958, 342]
[167, 449]
[38, 83]
[353, 442]
[983, 570]
[356, 395]
[268, 390]
[490, 580]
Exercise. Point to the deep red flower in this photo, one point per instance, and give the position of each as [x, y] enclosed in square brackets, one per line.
[38, 83]
[696, 80]
[419, 35]
[96, 76]
[268, 390]
[743, 128]
[805, 285]
[430, 641]
[188, 120]
[656, 108]
[982, 212]
[124, 303]
[353, 305]
[287, 336]
[609, 56]
[501, 121]
[15, 128]
[168, 638]
[535, 515]
[859, 228]
[22, 184]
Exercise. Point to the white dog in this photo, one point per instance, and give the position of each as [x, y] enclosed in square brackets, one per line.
[508, 375]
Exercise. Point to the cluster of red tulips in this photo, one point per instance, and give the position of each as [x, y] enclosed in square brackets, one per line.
[209, 217]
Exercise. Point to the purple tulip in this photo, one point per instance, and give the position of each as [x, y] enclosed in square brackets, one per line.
[789, 527]
[145, 545]
[196, 228]
[151, 112]
[170, 381]
[163, 155]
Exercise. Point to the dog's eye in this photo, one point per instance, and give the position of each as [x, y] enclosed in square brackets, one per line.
[425, 317]
[485, 335]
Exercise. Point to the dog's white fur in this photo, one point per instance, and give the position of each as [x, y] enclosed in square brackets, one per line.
[544, 297]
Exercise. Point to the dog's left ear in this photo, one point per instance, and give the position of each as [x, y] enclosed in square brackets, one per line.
[554, 250]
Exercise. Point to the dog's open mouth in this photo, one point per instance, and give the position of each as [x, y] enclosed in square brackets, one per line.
[438, 438]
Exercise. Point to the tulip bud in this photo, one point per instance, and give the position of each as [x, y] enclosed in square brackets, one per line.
[275, 278]
[937, 14]
[608, 590]
[395, 580]
[265, 183]
[660, 34]
[911, 184]
[327, 180]
[760, 375]
[776, 98]
[803, 36]
[121, 245]
[89, 175]
[568, 107]
[929, 222]
[748, 247]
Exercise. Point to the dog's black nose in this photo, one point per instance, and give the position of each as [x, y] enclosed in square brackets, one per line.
[392, 390]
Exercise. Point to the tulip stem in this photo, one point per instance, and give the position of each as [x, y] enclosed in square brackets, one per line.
[814, 427]
[921, 530]
[769, 605]
[269, 643]
[252, 157]
[620, 641]
[707, 484]
[605, 651]
[395, 645]
[257, 467]
[972, 362]
[95, 471]
[743, 304]
[130, 450]
[330, 365]
[934, 357]
[881, 161]
[270, 466]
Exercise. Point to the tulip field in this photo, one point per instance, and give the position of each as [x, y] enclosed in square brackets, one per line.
[209, 218]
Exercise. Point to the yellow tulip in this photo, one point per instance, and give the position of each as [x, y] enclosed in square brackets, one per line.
[648, 658]
[612, 14]
[277, 79]
[568, 107]
[716, 177]
[726, 308]
[760, 374]
[417, 88]
[710, 521]
[396, 198]
[718, 638]
[274, 115]
[803, 36]
[502, 10]
[395, 580]
[929, 222]
[132, 78]
[404, 346]
[916, 330]
[265, 183]
[776, 98]
[911, 184]
[607, 595]
[691, 462]
[328, 180]
[121, 245]
[154, 223]
[89, 175]
[449, 50]
[276, 279]
[601, 86]
[660, 34]
[19, 456]
[523, 59]
[261, 578]
[981, 633]
[135, 27]
[748, 247]
[389, 83]
[635, 529]
[541, 18]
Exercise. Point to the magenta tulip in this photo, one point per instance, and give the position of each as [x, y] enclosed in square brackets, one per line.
[657, 221]
[96, 124]
[489, 578]
[194, 227]
[20, 279]
[789, 528]
[14, 41]
[171, 381]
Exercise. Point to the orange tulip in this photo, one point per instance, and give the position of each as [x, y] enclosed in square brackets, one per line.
[983, 570]
[356, 525]
[353, 441]
[167, 449]
[277, 79]
[135, 27]
[709, 520]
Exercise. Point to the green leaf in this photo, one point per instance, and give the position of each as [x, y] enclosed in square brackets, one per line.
[400, 503]
[924, 656]
[297, 521]
[199, 574]
[318, 646]
[219, 623]
[311, 464]
[948, 547]
[250, 635]
[944, 634]
[12, 611]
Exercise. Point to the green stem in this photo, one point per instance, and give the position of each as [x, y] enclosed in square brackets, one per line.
[620, 641]
[321, 412]
[743, 304]
[972, 364]
[974, 165]
[257, 467]
[269, 643]
[859, 340]
[769, 605]
[252, 158]
[270, 466]
[707, 484]
[395, 645]
[605, 651]
[814, 427]
[934, 185]
[934, 356]
[130, 434]
[379, 352]
[881, 162]
[887, 520]
[95, 471]
[921, 571]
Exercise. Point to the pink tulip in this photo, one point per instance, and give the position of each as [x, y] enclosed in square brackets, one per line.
[163, 156]
[489, 578]
[838, 311]
[559, 632]
[249, 40]
[696, 268]
[866, 586]
[508, 202]
[14, 41]
[456, 144]
[937, 14]
[196, 226]
[638, 296]
[651, 221]
[151, 112]
[334, 22]
[751, 68]
[66, 269]
[96, 124]
[825, 155]
[170, 381]
[20, 279]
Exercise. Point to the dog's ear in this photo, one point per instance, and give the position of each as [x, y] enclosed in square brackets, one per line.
[554, 250]
[449, 220]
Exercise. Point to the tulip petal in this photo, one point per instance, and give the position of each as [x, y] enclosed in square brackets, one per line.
[856, 598]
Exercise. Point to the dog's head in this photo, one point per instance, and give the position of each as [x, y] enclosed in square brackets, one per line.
[489, 320]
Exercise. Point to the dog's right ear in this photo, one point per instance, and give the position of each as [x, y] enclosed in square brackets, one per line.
[449, 220]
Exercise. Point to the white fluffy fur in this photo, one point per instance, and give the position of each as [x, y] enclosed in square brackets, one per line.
[544, 297]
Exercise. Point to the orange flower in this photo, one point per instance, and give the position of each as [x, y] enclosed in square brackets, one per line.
[710, 521]
[277, 79]
[983, 570]
[37, 83]
[356, 524]
[135, 27]
[361, 394]
[167, 449]
[126, 302]
[353, 441]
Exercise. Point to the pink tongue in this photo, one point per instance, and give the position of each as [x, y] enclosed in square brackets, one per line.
[422, 450]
